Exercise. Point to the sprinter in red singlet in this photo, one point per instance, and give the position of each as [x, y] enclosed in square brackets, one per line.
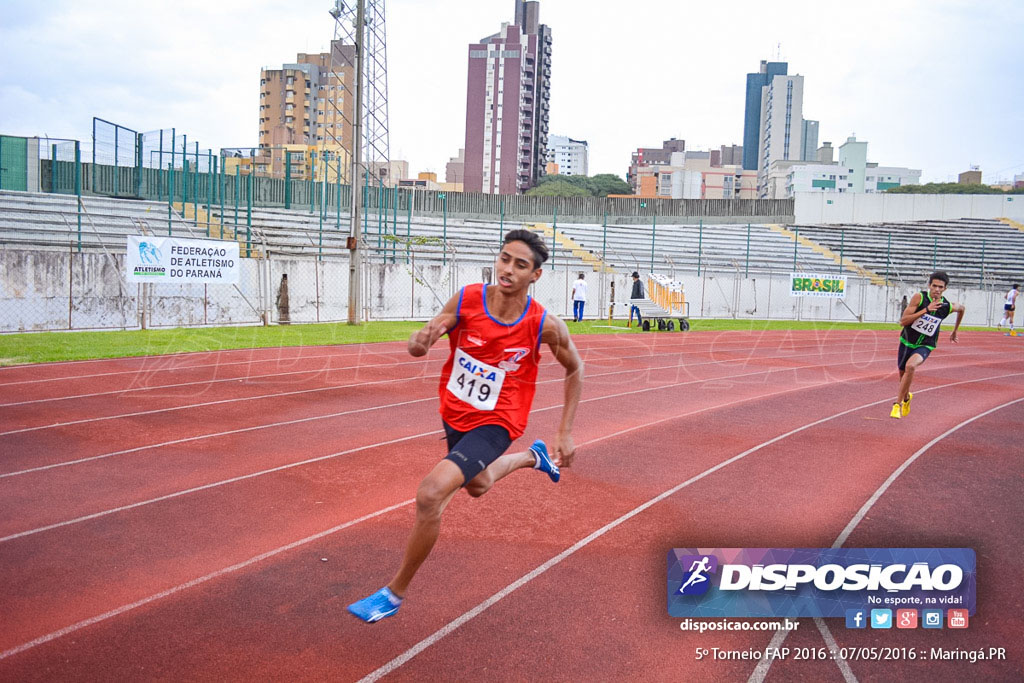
[487, 386]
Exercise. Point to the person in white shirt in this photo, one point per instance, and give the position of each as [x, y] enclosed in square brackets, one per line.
[1008, 308]
[579, 298]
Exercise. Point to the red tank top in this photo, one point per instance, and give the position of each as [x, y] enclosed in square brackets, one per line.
[491, 374]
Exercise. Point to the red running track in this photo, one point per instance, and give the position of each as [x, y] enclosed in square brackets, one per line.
[208, 516]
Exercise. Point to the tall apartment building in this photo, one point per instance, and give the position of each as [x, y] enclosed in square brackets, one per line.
[508, 105]
[752, 114]
[571, 156]
[304, 108]
[809, 144]
[781, 124]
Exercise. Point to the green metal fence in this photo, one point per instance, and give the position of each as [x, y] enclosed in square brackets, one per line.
[13, 163]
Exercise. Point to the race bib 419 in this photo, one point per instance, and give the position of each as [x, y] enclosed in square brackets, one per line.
[475, 383]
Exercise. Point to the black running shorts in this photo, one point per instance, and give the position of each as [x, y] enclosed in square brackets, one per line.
[474, 450]
[906, 352]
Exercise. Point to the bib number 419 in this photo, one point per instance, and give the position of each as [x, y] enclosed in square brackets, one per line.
[475, 383]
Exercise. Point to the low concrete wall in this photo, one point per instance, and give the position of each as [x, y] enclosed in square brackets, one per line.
[62, 290]
[812, 208]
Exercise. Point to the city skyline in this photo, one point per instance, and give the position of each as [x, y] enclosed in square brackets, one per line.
[925, 83]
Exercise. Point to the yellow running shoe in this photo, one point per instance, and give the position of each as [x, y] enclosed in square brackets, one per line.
[896, 411]
[905, 406]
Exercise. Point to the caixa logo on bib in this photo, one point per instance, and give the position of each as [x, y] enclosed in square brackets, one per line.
[816, 582]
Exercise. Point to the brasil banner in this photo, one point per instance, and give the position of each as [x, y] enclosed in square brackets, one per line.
[802, 284]
[169, 259]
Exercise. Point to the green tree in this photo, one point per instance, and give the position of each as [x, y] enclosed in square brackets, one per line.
[600, 185]
[950, 188]
[557, 188]
[609, 183]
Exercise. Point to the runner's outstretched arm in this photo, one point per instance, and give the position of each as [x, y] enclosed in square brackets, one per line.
[556, 336]
[421, 340]
[959, 310]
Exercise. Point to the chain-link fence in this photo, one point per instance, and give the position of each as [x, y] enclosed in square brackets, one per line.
[68, 289]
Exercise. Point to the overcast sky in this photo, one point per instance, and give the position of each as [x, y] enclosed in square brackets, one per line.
[929, 84]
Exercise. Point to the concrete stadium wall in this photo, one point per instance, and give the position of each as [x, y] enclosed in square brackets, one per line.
[60, 290]
[821, 208]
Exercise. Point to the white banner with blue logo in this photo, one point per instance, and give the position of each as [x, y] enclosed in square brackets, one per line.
[817, 582]
[179, 261]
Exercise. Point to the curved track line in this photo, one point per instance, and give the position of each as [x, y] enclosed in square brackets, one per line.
[490, 601]
[479, 609]
[232, 480]
[759, 673]
[195, 582]
[386, 381]
[244, 378]
[159, 367]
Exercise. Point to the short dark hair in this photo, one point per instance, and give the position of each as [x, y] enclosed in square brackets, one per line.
[581, 276]
[1016, 286]
[939, 275]
[533, 241]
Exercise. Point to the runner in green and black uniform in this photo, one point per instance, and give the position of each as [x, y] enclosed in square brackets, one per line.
[921, 320]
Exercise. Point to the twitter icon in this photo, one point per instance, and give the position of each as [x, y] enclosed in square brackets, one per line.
[881, 618]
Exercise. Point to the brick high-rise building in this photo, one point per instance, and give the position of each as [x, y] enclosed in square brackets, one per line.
[307, 106]
[507, 105]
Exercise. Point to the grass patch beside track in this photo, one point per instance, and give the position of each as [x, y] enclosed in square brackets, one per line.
[42, 347]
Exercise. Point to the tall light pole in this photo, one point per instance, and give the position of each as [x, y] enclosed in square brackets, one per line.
[355, 260]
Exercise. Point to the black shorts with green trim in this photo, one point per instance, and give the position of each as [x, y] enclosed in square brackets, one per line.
[906, 352]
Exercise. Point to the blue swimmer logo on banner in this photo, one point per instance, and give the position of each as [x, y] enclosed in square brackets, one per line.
[149, 253]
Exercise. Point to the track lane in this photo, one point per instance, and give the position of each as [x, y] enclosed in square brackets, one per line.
[516, 535]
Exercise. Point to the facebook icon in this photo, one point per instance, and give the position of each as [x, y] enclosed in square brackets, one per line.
[856, 618]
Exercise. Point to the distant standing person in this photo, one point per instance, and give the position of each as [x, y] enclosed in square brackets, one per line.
[579, 298]
[638, 293]
[921, 320]
[1009, 307]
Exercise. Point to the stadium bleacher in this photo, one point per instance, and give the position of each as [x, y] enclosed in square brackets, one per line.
[972, 251]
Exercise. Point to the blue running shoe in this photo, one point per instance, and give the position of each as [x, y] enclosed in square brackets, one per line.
[375, 607]
[544, 464]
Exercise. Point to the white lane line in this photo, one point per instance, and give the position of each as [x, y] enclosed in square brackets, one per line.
[221, 572]
[164, 363]
[589, 342]
[480, 608]
[830, 642]
[195, 582]
[155, 366]
[841, 539]
[433, 381]
[205, 382]
[759, 673]
[243, 378]
[232, 480]
[201, 437]
[104, 513]
[483, 606]
[178, 494]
